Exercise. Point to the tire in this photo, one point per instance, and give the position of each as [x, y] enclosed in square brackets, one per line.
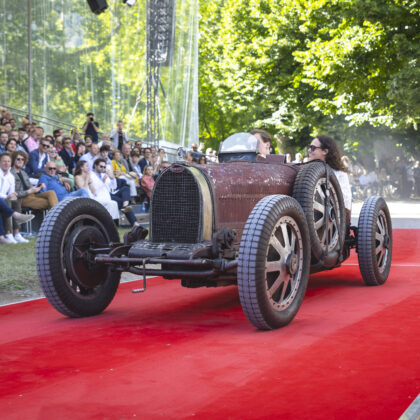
[271, 299]
[309, 190]
[73, 285]
[374, 241]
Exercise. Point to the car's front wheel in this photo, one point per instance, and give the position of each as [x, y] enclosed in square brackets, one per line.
[72, 282]
[273, 262]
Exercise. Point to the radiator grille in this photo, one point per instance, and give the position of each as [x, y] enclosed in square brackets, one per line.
[176, 208]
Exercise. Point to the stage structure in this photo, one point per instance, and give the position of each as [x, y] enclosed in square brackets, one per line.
[160, 37]
[79, 62]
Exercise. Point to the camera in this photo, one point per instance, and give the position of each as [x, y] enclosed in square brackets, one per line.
[91, 118]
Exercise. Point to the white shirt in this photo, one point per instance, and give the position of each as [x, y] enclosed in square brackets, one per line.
[343, 180]
[7, 183]
[89, 159]
[102, 189]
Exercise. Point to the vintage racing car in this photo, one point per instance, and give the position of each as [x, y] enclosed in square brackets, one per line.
[261, 224]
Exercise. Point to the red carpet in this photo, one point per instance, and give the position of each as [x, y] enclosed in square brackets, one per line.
[352, 352]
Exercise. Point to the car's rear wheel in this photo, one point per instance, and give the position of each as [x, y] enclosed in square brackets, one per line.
[70, 279]
[374, 241]
[273, 262]
[326, 225]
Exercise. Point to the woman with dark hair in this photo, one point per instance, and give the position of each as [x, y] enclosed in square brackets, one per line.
[80, 151]
[325, 148]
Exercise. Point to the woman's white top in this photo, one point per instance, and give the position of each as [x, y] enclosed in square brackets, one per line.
[343, 180]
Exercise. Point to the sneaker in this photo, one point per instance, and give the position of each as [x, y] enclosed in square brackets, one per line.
[10, 238]
[4, 241]
[22, 218]
[20, 238]
[126, 209]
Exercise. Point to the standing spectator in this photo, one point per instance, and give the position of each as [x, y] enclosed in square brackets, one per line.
[67, 153]
[38, 158]
[118, 136]
[30, 195]
[53, 182]
[6, 212]
[91, 127]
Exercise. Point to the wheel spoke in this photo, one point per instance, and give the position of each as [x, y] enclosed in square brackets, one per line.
[320, 192]
[319, 223]
[319, 207]
[381, 257]
[379, 237]
[379, 249]
[275, 243]
[271, 266]
[282, 278]
[285, 236]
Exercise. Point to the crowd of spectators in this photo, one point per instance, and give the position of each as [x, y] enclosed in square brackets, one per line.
[38, 170]
[392, 178]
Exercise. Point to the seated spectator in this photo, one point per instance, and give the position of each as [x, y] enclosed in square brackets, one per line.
[6, 212]
[8, 193]
[125, 156]
[80, 151]
[121, 171]
[195, 153]
[67, 153]
[11, 145]
[104, 154]
[54, 182]
[103, 184]
[202, 160]
[96, 189]
[92, 155]
[298, 158]
[38, 158]
[30, 195]
[147, 182]
[146, 159]
[4, 138]
[134, 160]
[33, 141]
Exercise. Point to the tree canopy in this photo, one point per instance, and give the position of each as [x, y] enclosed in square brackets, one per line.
[346, 67]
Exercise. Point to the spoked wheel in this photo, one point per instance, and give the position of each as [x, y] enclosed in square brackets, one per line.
[69, 277]
[326, 224]
[374, 241]
[273, 263]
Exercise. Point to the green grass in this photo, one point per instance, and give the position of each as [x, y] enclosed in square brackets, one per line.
[18, 267]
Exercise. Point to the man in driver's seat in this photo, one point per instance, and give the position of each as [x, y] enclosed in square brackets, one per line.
[264, 142]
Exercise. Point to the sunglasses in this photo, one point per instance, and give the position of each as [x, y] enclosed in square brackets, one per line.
[52, 169]
[45, 145]
[22, 159]
[101, 167]
[312, 148]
